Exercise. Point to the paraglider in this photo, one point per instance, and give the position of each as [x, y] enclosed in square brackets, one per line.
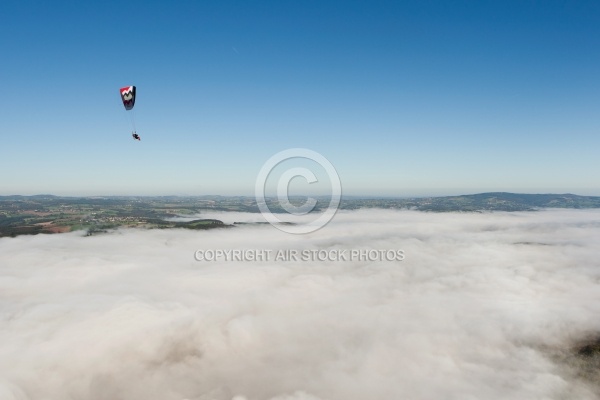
[128, 98]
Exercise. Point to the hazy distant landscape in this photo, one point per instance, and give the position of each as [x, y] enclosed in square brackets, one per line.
[54, 214]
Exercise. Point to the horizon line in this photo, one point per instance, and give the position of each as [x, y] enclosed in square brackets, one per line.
[343, 197]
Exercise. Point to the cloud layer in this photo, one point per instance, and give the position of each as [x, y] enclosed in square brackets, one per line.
[476, 310]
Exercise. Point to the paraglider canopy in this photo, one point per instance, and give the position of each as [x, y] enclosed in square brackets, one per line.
[128, 96]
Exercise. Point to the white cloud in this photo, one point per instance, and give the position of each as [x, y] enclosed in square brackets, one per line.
[470, 313]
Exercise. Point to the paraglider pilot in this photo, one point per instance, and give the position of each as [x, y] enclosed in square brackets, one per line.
[136, 136]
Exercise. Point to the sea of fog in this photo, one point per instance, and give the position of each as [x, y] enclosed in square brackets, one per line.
[482, 306]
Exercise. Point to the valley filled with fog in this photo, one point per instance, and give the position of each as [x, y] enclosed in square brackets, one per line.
[482, 306]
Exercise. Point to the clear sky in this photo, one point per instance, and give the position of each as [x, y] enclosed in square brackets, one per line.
[402, 97]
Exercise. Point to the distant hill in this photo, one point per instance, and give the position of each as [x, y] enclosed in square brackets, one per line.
[495, 201]
[515, 201]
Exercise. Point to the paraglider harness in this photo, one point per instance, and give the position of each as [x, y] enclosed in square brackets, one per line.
[136, 136]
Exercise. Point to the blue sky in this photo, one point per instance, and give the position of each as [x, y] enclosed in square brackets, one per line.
[403, 98]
